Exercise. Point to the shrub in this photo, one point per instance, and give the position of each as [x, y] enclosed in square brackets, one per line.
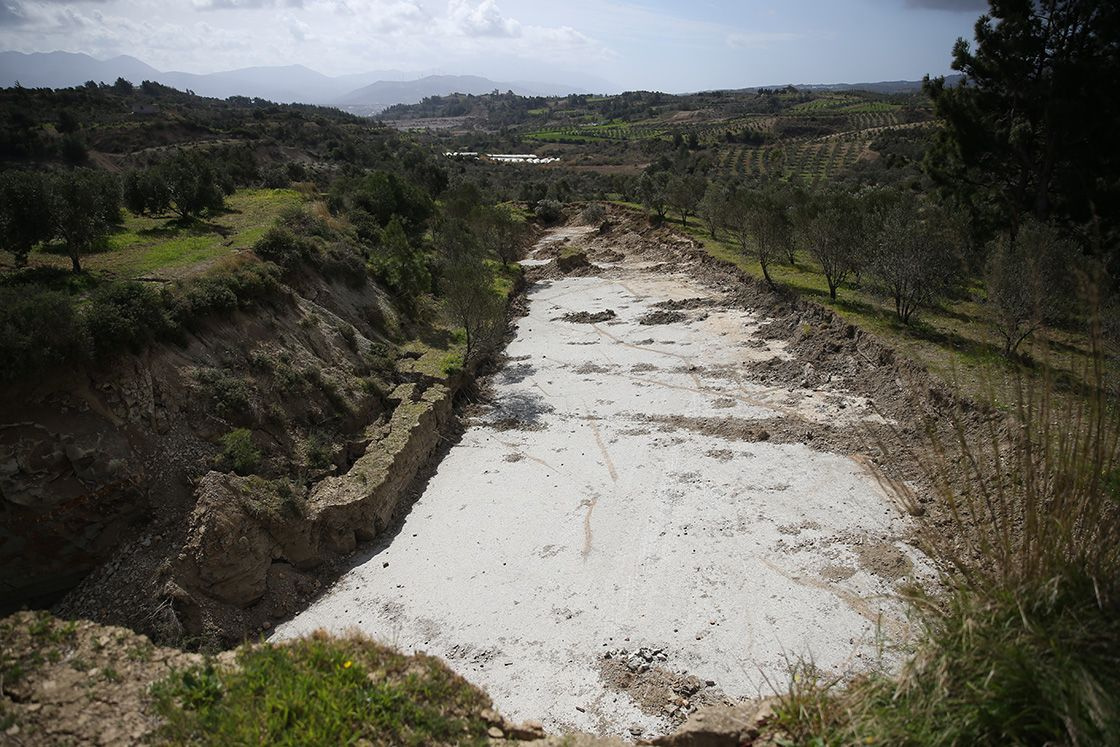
[343, 262]
[284, 248]
[302, 222]
[225, 289]
[593, 214]
[549, 212]
[124, 315]
[238, 451]
[400, 265]
[228, 394]
[317, 452]
[38, 329]
[349, 335]
[73, 150]
[379, 358]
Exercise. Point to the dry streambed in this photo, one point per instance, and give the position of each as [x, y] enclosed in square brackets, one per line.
[618, 538]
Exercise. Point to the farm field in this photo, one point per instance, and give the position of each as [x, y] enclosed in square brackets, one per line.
[745, 134]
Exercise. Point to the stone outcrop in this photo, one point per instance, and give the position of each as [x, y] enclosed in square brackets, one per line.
[248, 538]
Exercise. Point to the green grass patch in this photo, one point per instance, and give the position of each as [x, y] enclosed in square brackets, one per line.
[166, 247]
[24, 649]
[504, 277]
[321, 690]
[429, 353]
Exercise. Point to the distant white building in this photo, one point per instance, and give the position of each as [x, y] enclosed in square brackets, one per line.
[499, 157]
[519, 158]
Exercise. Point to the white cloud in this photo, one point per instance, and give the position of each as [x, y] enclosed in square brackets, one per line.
[480, 19]
[332, 36]
[299, 30]
[759, 39]
[246, 4]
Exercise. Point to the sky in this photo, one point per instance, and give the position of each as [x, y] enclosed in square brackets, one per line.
[602, 45]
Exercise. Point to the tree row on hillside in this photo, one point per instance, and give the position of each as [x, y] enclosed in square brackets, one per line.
[912, 250]
[188, 183]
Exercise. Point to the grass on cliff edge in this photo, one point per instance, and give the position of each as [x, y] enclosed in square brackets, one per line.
[1023, 645]
[320, 691]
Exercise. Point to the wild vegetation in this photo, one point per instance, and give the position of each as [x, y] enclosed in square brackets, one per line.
[983, 243]
[972, 225]
[167, 232]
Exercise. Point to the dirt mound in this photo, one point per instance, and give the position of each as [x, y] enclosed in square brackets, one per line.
[573, 263]
[609, 256]
[662, 317]
[884, 559]
[685, 304]
[587, 317]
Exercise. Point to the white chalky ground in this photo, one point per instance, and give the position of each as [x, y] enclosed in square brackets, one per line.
[587, 527]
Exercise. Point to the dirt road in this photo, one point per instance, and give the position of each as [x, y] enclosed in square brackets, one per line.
[622, 493]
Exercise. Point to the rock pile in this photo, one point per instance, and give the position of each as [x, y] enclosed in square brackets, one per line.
[641, 660]
[658, 691]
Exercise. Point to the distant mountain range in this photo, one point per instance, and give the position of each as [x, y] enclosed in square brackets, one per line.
[362, 93]
[885, 86]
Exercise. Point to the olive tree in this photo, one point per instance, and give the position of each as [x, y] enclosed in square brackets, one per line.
[25, 213]
[470, 302]
[500, 232]
[830, 228]
[914, 254]
[192, 184]
[713, 206]
[84, 205]
[1028, 281]
[653, 189]
[683, 193]
[761, 225]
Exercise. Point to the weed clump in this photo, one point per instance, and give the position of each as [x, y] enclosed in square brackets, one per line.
[321, 690]
[238, 451]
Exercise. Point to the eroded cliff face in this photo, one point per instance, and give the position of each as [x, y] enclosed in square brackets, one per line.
[250, 548]
[117, 484]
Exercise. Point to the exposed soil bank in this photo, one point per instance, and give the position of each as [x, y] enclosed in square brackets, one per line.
[616, 496]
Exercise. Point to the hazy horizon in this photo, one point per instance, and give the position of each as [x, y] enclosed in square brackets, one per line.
[644, 44]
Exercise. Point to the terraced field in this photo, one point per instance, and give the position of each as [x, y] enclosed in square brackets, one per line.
[706, 132]
[807, 161]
